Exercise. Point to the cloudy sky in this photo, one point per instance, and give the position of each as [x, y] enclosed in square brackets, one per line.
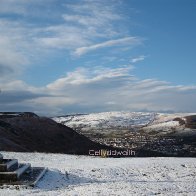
[80, 56]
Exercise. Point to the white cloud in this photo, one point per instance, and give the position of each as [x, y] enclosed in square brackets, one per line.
[130, 41]
[53, 101]
[93, 14]
[85, 76]
[102, 89]
[62, 37]
[139, 58]
[12, 61]
[84, 20]
[98, 89]
[26, 41]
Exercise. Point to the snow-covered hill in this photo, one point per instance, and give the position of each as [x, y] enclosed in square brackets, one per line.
[107, 119]
[83, 175]
[120, 120]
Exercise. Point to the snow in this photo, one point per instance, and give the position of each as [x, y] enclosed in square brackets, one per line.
[83, 175]
[165, 125]
[164, 117]
[116, 121]
[107, 119]
[165, 122]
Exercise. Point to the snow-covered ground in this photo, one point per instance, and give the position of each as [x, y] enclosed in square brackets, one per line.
[83, 175]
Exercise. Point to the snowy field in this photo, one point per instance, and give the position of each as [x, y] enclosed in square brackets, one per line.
[82, 175]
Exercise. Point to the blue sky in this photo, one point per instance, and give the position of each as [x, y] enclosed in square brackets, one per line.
[94, 55]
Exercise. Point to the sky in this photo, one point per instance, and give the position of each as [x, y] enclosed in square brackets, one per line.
[80, 56]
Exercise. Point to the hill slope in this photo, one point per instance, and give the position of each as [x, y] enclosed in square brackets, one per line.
[27, 132]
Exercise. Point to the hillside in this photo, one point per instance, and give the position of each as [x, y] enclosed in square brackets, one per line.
[106, 120]
[27, 132]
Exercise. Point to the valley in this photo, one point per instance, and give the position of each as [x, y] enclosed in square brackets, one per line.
[155, 134]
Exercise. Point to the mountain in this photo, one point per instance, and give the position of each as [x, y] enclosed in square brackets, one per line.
[27, 132]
